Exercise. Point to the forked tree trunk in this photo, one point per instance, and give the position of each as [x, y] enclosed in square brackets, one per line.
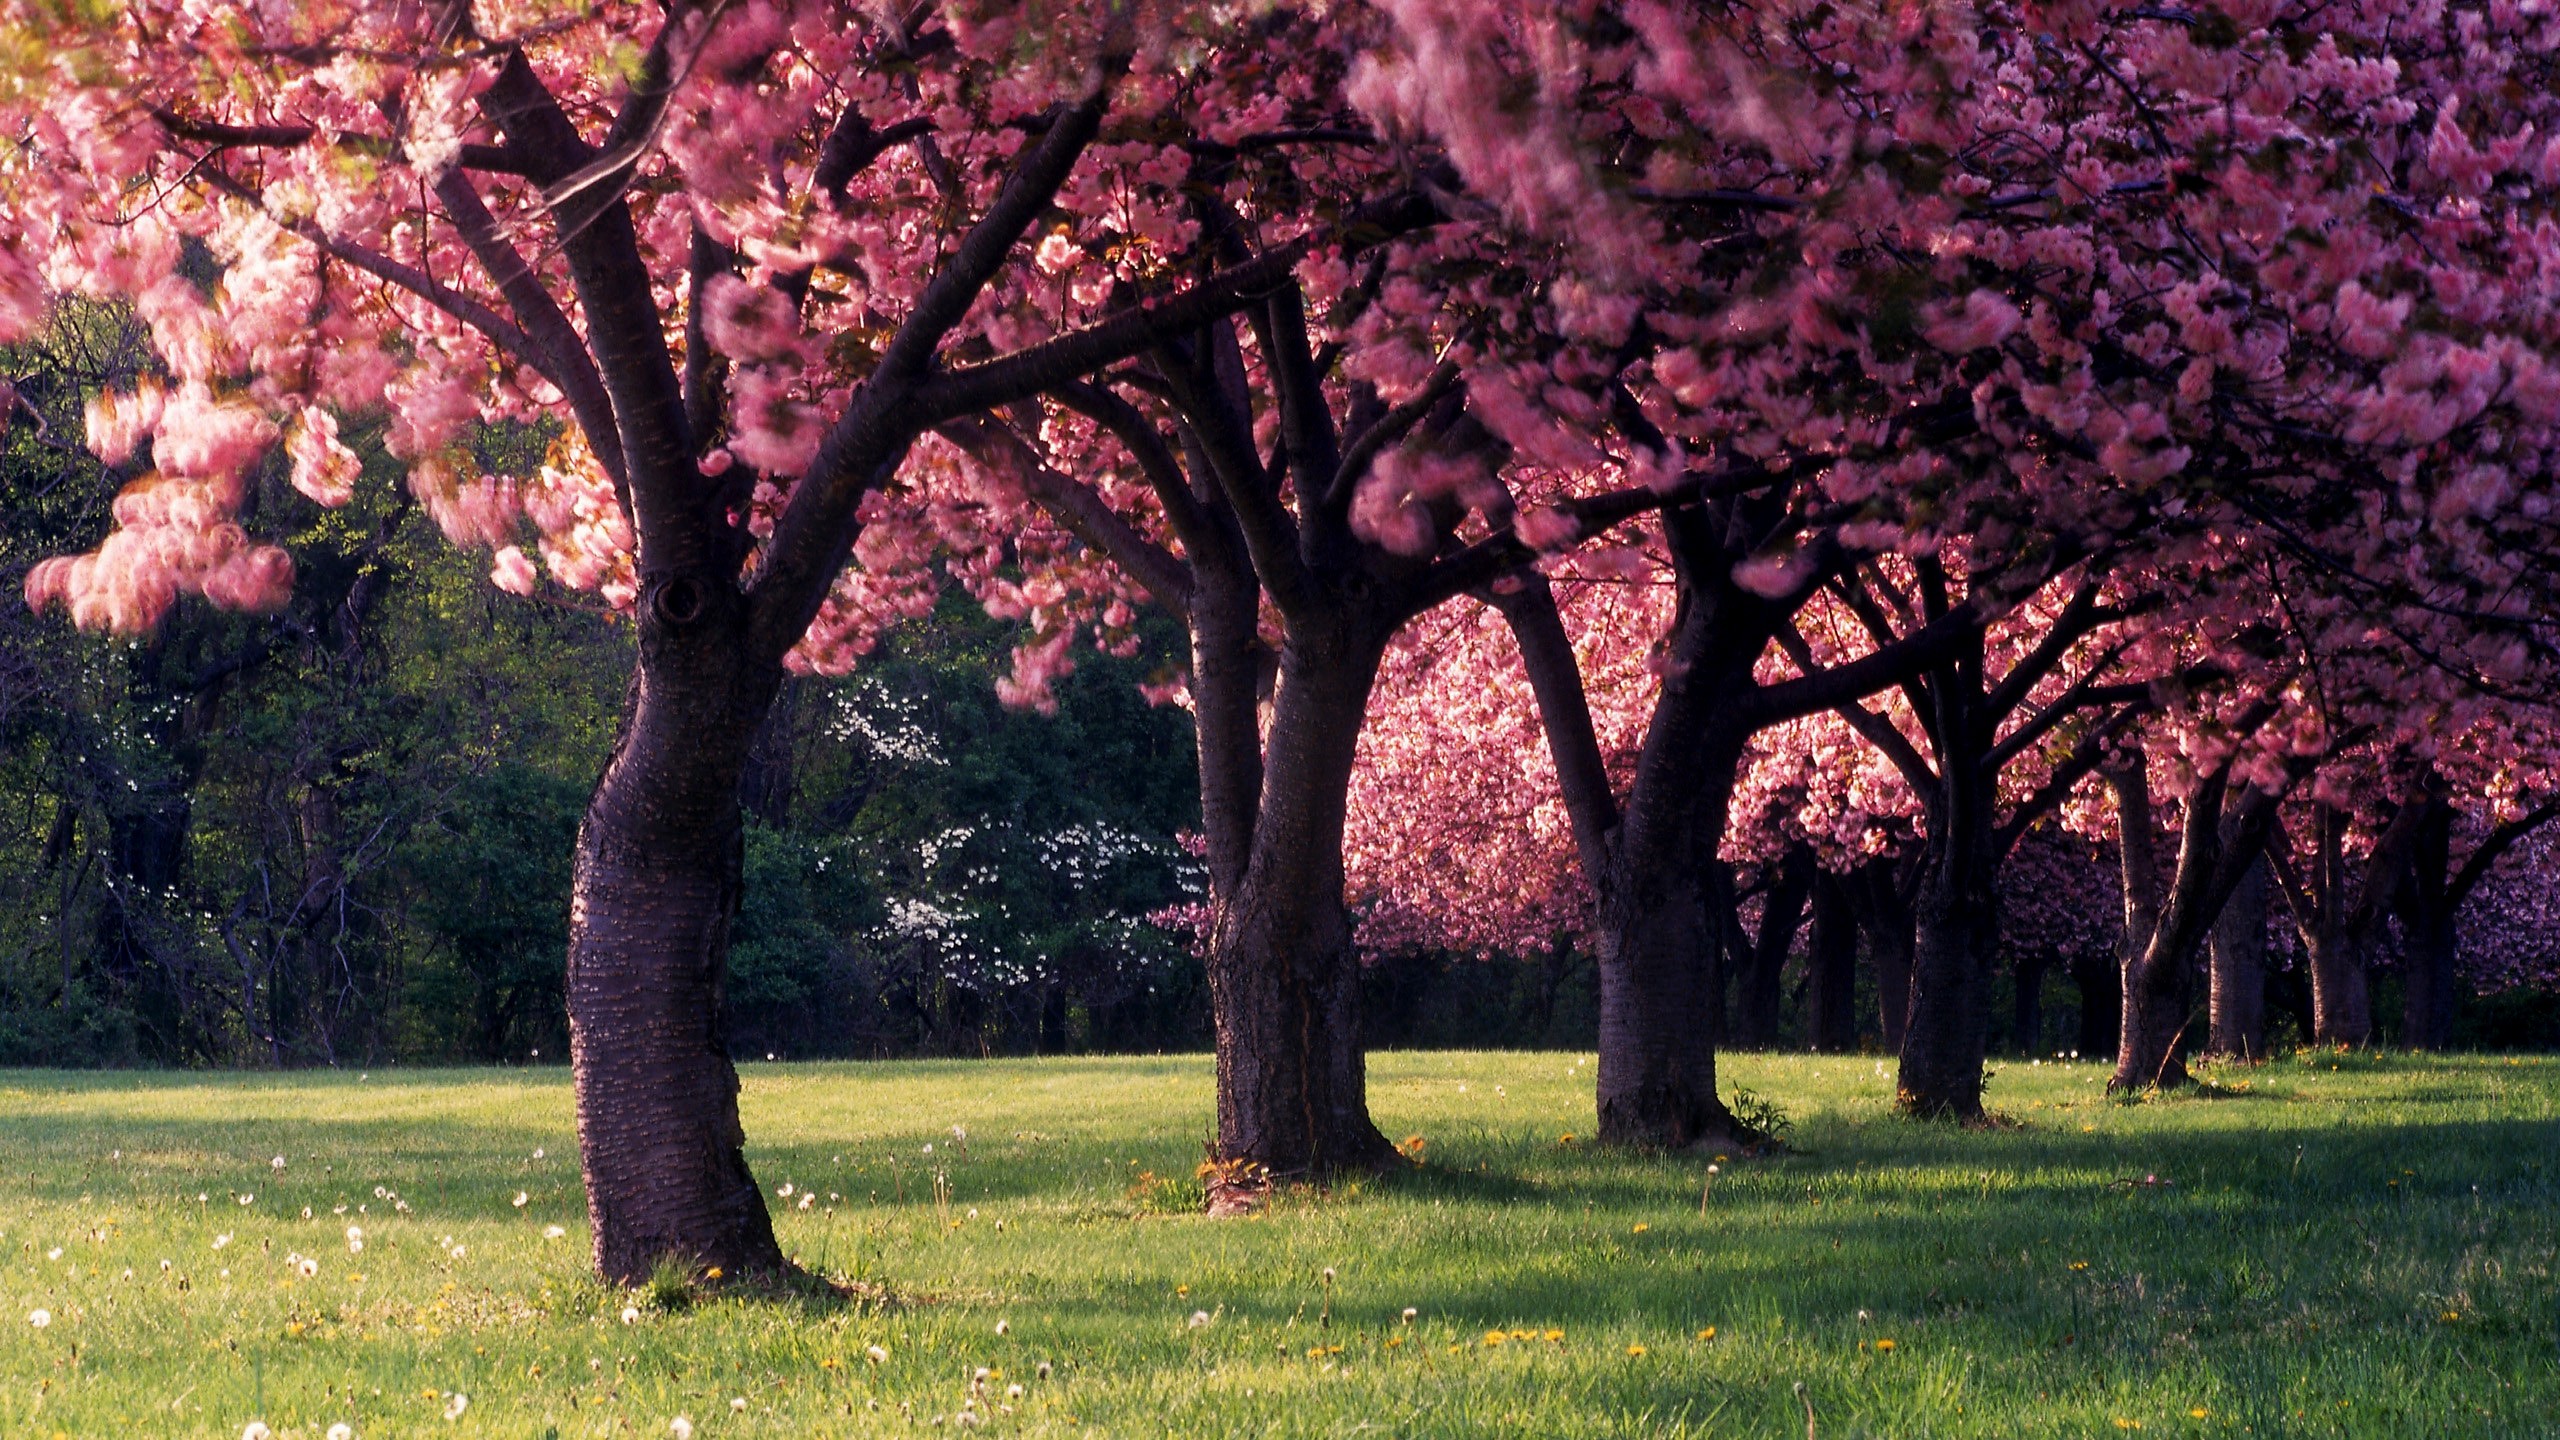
[1831, 970]
[2221, 836]
[656, 884]
[2159, 1005]
[2238, 971]
[1284, 980]
[2151, 967]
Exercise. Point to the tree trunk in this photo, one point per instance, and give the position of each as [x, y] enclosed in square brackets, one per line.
[2026, 1003]
[1657, 1070]
[656, 884]
[1284, 980]
[2159, 1002]
[1956, 922]
[2151, 966]
[1831, 972]
[1763, 957]
[1886, 917]
[2428, 936]
[2238, 953]
[2341, 994]
[2101, 1003]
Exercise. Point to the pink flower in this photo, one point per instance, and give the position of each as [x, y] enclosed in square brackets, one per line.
[1984, 319]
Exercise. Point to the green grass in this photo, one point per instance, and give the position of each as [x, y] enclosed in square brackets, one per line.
[2338, 1246]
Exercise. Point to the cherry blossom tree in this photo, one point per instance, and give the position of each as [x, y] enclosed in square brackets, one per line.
[2130, 261]
[737, 258]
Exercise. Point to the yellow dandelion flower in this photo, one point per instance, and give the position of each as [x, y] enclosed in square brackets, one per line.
[1494, 1337]
[1642, 1226]
[2199, 1412]
[2124, 1424]
[1555, 1337]
[2079, 1265]
[2452, 1315]
[1884, 1345]
[1707, 1334]
[1635, 1352]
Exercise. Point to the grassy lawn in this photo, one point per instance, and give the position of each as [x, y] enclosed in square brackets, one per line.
[2333, 1246]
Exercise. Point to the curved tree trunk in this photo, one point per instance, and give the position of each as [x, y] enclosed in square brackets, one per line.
[2238, 971]
[656, 884]
[1284, 979]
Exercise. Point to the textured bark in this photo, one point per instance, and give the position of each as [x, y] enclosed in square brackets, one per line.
[1284, 980]
[1831, 971]
[2166, 925]
[2151, 978]
[655, 888]
[2237, 953]
[1955, 922]
[2337, 903]
[1655, 929]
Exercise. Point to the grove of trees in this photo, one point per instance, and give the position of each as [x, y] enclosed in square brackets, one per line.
[1908, 496]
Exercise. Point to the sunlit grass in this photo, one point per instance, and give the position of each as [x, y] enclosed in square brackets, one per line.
[2333, 1246]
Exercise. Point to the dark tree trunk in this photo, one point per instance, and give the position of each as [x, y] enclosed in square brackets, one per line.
[1284, 979]
[2159, 1006]
[2026, 1003]
[656, 885]
[1956, 921]
[2341, 991]
[2427, 936]
[2238, 953]
[2337, 903]
[1658, 976]
[2101, 1003]
[1762, 958]
[1885, 915]
[2222, 836]
[1831, 970]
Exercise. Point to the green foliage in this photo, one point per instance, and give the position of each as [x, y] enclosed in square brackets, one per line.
[491, 917]
[2292, 1277]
